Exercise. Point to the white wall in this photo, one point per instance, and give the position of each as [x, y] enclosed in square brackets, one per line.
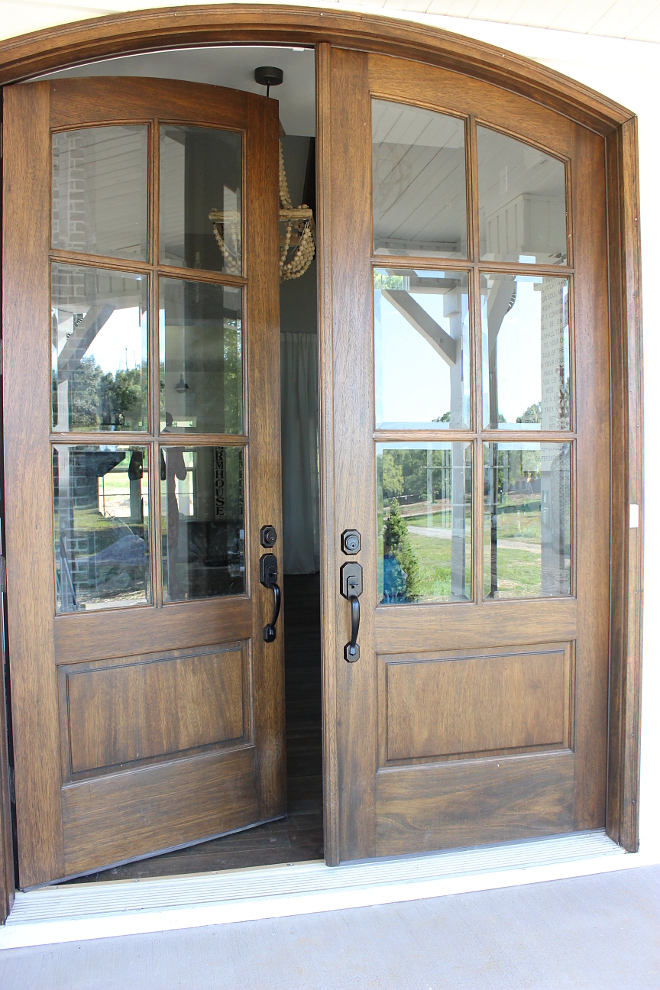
[628, 72]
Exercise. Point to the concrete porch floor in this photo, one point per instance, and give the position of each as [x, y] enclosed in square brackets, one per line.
[591, 932]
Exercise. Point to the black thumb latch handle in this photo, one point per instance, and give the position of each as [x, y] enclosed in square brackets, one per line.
[351, 589]
[269, 628]
[352, 650]
[268, 577]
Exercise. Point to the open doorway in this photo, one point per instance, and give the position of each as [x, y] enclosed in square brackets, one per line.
[298, 835]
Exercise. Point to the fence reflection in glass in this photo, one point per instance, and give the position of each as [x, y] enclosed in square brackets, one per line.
[527, 520]
[101, 507]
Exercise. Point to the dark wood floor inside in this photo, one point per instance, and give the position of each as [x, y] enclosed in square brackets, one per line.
[299, 836]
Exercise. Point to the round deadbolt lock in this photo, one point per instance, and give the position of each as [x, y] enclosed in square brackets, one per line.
[350, 542]
[268, 536]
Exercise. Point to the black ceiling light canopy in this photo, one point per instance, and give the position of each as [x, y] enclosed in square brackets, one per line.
[268, 75]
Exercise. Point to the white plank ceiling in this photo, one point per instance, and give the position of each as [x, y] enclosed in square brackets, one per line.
[637, 20]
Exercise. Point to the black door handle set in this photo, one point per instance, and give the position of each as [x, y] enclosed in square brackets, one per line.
[268, 577]
[351, 589]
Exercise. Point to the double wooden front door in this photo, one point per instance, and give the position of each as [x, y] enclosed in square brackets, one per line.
[141, 334]
[468, 449]
[471, 452]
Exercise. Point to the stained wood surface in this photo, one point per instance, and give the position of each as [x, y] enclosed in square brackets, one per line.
[591, 509]
[28, 505]
[252, 24]
[98, 635]
[627, 488]
[121, 704]
[78, 102]
[466, 625]
[457, 707]
[264, 468]
[432, 715]
[109, 819]
[7, 878]
[520, 797]
[298, 836]
[354, 462]
[137, 710]
[328, 536]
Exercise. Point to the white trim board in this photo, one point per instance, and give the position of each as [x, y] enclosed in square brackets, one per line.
[72, 913]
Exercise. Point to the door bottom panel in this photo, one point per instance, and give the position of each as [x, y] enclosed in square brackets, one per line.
[471, 802]
[128, 815]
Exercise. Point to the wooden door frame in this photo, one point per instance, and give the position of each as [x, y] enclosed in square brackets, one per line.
[189, 27]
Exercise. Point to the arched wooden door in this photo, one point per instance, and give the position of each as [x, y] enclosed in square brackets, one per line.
[472, 454]
[142, 458]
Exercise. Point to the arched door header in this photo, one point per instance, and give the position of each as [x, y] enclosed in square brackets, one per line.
[189, 27]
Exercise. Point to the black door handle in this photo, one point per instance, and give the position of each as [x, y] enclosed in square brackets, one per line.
[352, 650]
[268, 577]
[351, 588]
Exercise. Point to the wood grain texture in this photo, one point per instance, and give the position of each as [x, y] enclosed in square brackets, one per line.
[354, 468]
[101, 636]
[136, 711]
[7, 877]
[138, 31]
[468, 626]
[446, 91]
[264, 452]
[153, 707]
[458, 707]
[122, 816]
[626, 607]
[520, 797]
[328, 535]
[79, 102]
[29, 519]
[425, 715]
[591, 510]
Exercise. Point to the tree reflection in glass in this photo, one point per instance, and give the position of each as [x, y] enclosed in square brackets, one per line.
[424, 522]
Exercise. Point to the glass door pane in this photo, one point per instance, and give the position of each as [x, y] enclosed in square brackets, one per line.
[100, 191]
[201, 357]
[200, 174]
[522, 201]
[419, 200]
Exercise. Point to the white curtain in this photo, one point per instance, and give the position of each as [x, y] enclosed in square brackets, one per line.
[300, 471]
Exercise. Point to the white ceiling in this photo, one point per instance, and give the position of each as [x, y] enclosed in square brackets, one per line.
[637, 20]
[633, 19]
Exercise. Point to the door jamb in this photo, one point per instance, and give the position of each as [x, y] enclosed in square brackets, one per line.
[143, 31]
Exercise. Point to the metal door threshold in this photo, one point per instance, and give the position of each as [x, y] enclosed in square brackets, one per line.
[125, 907]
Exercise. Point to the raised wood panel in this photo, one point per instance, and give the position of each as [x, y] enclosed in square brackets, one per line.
[422, 808]
[462, 706]
[126, 815]
[468, 626]
[101, 635]
[154, 707]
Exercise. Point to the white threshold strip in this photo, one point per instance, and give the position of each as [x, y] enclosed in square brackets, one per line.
[77, 912]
